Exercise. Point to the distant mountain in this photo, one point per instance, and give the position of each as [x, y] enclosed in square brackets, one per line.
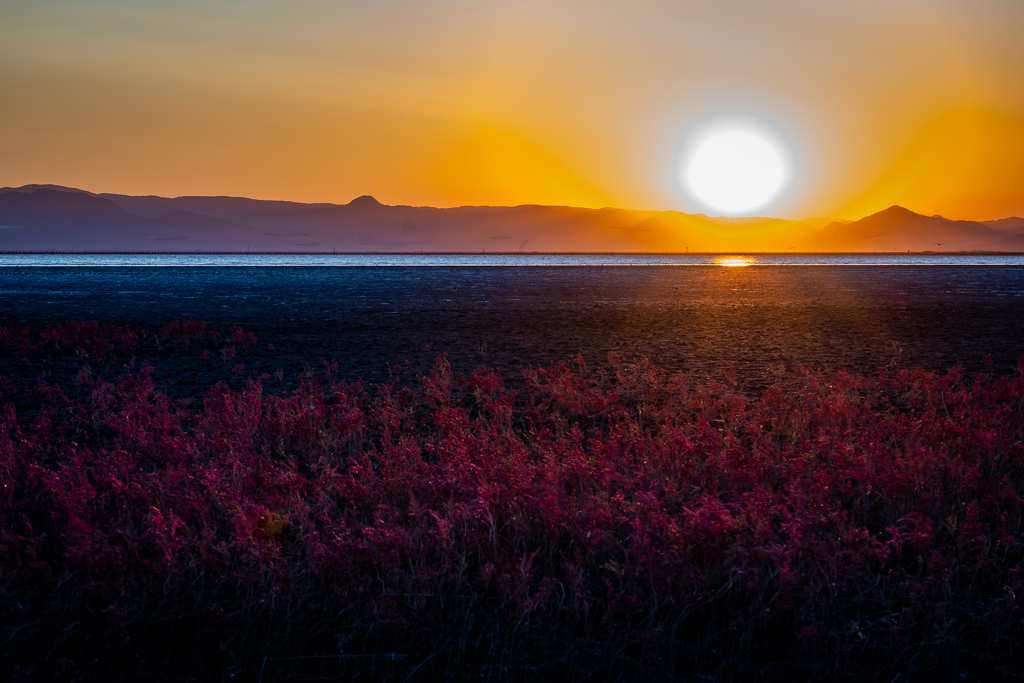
[46, 207]
[230, 208]
[190, 220]
[1015, 224]
[1012, 243]
[47, 219]
[364, 203]
[52, 218]
[32, 188]
[899, 229]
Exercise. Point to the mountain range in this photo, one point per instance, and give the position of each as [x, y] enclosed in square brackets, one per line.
[54, 218]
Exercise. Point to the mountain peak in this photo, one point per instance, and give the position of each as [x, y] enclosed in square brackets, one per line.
[896, 210]
[364, 202]
[29, 189]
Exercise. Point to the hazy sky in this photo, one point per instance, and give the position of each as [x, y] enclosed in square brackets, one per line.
[454, 102]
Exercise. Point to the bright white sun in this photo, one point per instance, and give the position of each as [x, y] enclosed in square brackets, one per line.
[735, 169]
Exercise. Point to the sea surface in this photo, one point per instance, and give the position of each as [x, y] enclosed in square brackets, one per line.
[380, 312]
[490, 260]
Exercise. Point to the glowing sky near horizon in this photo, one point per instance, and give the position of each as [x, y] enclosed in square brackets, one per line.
[455, 102]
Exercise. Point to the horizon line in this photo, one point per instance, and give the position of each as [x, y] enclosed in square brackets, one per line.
[978, 252]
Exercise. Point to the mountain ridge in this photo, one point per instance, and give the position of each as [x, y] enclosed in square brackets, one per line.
[68, 219]
[900, 229]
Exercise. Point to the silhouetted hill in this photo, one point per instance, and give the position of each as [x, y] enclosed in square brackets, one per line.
[32, 188]
[46, 207]
[1015, 224]
[195, 221]
[364, 202]
[899, 229]
[46, 219]
[237, 209]
[1012, 243]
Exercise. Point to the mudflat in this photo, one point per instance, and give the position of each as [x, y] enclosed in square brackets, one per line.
[697, 320]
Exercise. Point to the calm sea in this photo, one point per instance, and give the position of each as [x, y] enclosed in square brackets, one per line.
[371, 313]
[379, 260]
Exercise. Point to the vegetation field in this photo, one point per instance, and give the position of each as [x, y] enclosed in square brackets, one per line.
[612, 522]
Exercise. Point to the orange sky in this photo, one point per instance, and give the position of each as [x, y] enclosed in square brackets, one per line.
[454, 102]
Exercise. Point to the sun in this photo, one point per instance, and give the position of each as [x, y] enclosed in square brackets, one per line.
[735, 169]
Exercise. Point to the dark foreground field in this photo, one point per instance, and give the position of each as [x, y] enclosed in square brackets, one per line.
[203, 501]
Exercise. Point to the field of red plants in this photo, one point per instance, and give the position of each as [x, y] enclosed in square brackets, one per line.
[610, 522]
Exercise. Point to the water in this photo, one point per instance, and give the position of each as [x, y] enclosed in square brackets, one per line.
[501, 260]
[476, 311]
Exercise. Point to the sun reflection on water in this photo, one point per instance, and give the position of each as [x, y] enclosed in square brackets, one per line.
[734, 261]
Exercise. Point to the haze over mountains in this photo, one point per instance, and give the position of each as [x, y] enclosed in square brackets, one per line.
[53, 218]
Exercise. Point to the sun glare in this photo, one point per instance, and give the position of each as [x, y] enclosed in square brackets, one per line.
[735, 169]
[734, 261]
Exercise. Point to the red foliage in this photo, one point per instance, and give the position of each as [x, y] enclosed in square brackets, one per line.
[617, 511]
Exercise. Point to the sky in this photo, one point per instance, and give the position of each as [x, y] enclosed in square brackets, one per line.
[498, 102]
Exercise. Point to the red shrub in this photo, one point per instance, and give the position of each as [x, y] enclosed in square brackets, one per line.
[827, 516]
